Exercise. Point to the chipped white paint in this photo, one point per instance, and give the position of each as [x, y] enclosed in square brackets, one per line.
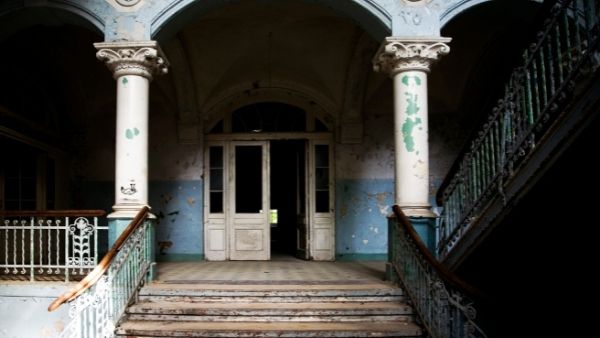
[407, 61]
[249, 233]
[133, 65]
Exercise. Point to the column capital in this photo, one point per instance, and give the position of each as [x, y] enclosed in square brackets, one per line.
[143, 58]
[398, 54]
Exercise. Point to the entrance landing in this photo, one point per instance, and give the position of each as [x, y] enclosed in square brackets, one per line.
[287, 271]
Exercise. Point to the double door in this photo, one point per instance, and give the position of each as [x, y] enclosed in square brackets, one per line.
[238, 215]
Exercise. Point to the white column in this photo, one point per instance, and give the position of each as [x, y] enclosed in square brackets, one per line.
[133, 64]
[407, 61]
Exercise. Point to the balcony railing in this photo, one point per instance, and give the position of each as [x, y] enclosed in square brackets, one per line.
[49, 245]
[567, 48]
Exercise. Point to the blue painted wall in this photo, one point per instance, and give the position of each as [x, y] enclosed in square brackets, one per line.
[362, 207]
[178, 205]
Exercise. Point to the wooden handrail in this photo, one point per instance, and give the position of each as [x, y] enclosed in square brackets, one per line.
[52, 213]
[446, 275]
[104, 264]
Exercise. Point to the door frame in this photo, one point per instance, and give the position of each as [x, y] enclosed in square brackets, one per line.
[217, 226]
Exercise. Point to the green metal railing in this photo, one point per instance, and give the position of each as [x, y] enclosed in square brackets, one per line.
[441, 300]
[566, 48]
[98, 302]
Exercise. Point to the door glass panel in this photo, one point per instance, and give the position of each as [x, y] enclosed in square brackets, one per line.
[248, 179]
[216, 179]
[322, 178]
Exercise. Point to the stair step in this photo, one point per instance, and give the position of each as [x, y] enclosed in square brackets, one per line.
[298, 311]
[290, 309]
[277, 290]
[265, 329]
[271, 299]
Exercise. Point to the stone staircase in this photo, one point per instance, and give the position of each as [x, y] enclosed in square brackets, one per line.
[311, 309]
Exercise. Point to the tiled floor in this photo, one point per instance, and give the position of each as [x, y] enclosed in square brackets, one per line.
[281, 271]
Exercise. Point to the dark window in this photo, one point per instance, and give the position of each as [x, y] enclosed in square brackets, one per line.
[248, 179]
[268, 117]
[216, 179]
[322, 178]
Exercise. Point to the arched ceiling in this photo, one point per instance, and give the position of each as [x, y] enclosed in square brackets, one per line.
[249, 45]
[368, 14]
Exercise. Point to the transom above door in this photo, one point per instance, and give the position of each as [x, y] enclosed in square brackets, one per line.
[268, 192]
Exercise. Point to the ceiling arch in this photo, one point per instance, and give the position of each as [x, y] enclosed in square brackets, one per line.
[14, 18]
[368, 14]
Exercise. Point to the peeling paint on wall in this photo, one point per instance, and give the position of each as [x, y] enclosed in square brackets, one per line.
[362, 227]
[178, 206]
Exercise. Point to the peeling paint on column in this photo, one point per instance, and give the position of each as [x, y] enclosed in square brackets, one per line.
[412, 109]
[407, 132]
[131, 133]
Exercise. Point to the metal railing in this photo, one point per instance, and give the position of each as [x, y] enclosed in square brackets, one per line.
[100, 299]
[47, 245]
[438, 296]
[534, 97]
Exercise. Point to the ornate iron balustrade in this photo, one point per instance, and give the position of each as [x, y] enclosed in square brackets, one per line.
[439, 297]
[100, 299]
[566, 49]
[42, 245]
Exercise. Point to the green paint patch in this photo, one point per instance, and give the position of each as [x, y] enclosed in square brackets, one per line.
[131, 133]
[411, 108]
[406, 80]
[407, 132]
[124, 81]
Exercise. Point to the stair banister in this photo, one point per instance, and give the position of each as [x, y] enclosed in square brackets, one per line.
[441, 299]
[107, 290]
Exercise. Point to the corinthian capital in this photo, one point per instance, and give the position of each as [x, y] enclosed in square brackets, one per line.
[143, 58]
[397, 54]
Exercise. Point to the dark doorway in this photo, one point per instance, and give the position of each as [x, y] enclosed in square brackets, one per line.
[287, 194]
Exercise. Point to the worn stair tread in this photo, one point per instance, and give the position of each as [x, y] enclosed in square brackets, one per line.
[267, 287]
[297, 308]
[158, 289]
[229, 305]
[263, 329]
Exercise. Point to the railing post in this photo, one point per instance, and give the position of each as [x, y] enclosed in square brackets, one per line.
[391, 274]
[31, 250]
[150, 249]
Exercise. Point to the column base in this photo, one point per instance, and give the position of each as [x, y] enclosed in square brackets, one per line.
[417, 210]
[116, 226]
[125, 210]
[119, 219]
[425, 228]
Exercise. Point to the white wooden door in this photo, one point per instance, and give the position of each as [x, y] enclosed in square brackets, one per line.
[321, 206]
[216, 175]
[249, 235]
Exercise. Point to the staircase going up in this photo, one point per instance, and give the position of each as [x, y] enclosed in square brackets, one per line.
[273, 309]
